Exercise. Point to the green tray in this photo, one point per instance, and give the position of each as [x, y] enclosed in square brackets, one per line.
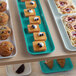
[43, 28]
[56, 67]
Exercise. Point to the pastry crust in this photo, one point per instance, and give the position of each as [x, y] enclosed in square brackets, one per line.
[25, 0]
[37, 48]
[61, 62]
[32, 21]
[49, 63]
[32, 30]
[30, 6]
[27, 14]
[39, 38]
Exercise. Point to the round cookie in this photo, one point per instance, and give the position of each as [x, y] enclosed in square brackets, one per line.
[5, 32]
[3, 18]
[3, 6]
[6, 48]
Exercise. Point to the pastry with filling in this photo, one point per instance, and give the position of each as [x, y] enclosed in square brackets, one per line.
[33, 28]
[30, 4]
[39, 46]
[61, 62]
[29, 12]
[39, 36]
[34, 20]
[49, 63]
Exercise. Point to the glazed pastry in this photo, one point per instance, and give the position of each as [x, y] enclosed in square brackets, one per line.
[30, 4]
[39, 46]
[3, 6]
[68, 9]
[62, 3]
[40, 36]
[3, 18]
[61, 62]
[29, 12]
[34, 20]
[49, 63]
[72, 36]
[6, 48]
[33, 28]
[5, 32]
[25, 0]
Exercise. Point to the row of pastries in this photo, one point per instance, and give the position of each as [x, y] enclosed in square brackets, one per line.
[6, 47]
[33, 26]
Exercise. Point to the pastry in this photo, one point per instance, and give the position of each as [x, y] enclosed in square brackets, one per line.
[72, 36]
[39, 46]
[33, 28]
[62, 3]
[40, 36]
[30, 4]
[6, 48]
[34, 20]
[25, 0]
[29, 12]
[68, 9]
[3, 18]
[5, 32]
[61, 62]
[49, 63]
[3, 6]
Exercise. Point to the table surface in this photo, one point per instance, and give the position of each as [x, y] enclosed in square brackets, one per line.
[22, 54]
[38, 72]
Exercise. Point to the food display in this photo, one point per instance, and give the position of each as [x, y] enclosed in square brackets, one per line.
[56, 65]
[35, 28]
[65, 6]
[7, 44]
[69, 22]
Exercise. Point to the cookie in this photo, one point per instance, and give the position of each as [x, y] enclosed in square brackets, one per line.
[3, 6]
[3, 18]
[61, 62]
[6, 48]
[30, 4]
[49, 63]
[33, 28]
[5, 32]
[29, 12]
[34, 20]
[39, 46]
[25, 0]
[39, 36]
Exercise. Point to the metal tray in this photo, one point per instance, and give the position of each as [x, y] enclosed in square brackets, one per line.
[43, 28]
[11, 38]
[57, 17]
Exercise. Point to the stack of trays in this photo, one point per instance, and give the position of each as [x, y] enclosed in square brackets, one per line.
[37, 36]
[65, 17]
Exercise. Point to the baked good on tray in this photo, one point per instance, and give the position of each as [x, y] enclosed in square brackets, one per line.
[65, 6]
[30, 4]
[39, 46]
[34, 20]
[25, 0]
[3, 18]
[39, 36]
[61, 62]
[3, 6]
[29, 12]
[5, 32]
[49, 63]
[33, 28]
[6, 48]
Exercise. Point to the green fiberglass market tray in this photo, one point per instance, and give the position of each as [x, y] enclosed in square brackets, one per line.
[56, 67]
[43, 28]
